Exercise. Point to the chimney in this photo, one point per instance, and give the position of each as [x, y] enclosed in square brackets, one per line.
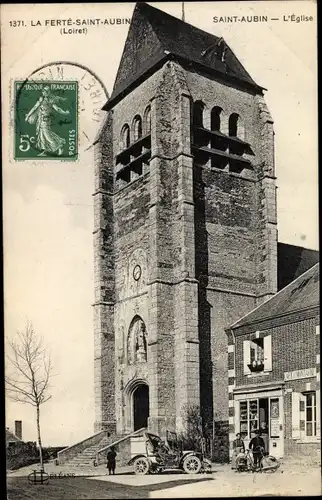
[18, 429]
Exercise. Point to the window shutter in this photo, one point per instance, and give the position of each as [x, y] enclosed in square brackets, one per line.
[268, 353]
[246, 356]
[296, 434]
[318, 413]
[302, 415]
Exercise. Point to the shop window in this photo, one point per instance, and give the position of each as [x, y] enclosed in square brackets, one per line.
[260, 414]
[257, 355]
[248, 411]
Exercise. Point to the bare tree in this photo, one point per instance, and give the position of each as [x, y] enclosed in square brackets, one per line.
[192, 435]
[30, 370]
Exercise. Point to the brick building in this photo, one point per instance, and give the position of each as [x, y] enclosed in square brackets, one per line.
[185, 225]
[274, 369]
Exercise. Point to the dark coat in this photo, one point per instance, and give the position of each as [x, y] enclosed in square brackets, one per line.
[256, 443]
[111, 456]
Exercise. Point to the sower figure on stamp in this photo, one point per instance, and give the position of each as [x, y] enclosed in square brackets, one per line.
[46, 139]
[111, 460]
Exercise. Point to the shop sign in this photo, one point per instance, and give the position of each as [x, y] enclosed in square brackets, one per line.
[298, 374]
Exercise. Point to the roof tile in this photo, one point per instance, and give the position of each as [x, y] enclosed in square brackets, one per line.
[154, 34]
[300, 294]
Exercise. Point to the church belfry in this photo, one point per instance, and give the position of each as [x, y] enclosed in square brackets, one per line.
[185, 225]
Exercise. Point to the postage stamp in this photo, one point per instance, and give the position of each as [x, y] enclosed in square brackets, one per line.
[46, 120]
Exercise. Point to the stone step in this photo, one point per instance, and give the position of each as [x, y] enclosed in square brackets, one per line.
[87, 456]
[81, 462]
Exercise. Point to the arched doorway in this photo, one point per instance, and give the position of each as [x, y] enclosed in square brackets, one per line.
[140, 407]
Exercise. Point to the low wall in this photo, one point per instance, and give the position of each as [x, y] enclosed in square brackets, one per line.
[122, 447]
[75, 449]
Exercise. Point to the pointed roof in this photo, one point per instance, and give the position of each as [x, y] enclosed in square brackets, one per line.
[301, 294]
[292, 261]
[155, 36]
[11, 437]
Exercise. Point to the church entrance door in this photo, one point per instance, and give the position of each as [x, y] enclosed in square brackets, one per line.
[141, 406]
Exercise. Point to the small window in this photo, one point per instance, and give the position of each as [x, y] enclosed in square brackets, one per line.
[310, 414]
[257, 355]
[215, 118]
[220, 51]
[147, 120]
[233, 124]
[137, 128]
[198, 110]
[125, 137]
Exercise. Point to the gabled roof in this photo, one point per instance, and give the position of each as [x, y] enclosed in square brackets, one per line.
[301, 294]
[154, 36]
[292, 261]
[11, 437]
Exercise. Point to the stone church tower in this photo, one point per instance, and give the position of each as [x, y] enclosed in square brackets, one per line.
[185, 225]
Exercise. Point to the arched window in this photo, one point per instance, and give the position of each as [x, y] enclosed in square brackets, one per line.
[125, 137]
[215, 118]
[233, 124]
[147, 120]
[137, 128]
[137, 341]
[198, 109]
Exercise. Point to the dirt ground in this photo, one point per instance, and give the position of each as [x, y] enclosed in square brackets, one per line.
[77, 488]
[299, 479]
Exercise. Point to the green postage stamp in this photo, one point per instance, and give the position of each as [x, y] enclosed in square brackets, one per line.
[46, 120]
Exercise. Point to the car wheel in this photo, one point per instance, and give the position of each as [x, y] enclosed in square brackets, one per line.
[206, 465]
[192, 464]
[141, 466]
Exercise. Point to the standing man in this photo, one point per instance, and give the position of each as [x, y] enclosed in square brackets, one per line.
[111, 460]
[257, 446]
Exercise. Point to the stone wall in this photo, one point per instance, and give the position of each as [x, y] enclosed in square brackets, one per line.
[235, 238]
[206, 238]
[293, 348]
[104, 353]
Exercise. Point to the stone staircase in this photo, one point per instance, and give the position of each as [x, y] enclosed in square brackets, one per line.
[87, 456]
[93, 450]
[84, 453]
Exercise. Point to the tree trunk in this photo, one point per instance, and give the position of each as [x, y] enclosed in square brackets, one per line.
[39, 439]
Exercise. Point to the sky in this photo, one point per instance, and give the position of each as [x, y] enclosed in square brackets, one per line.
[48, 206]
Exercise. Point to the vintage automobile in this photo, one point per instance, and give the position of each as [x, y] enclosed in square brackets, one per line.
[150, 454]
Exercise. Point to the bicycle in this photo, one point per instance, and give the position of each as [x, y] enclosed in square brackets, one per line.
[267, 463]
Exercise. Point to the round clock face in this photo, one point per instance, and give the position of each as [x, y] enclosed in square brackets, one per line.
[137, 272]
[91, 95]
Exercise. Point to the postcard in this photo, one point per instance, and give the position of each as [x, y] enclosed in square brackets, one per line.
[161, 266]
